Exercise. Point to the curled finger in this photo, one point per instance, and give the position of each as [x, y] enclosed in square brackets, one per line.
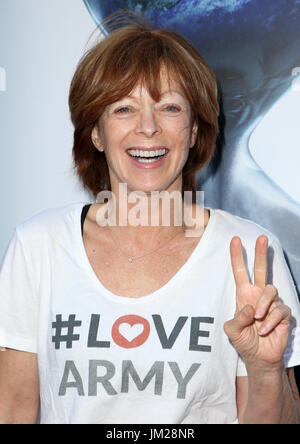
[269, 295]
[279, 315]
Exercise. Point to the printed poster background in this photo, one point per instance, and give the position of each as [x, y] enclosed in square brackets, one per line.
[253, 46]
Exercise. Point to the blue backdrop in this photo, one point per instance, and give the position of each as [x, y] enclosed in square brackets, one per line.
[253, 47]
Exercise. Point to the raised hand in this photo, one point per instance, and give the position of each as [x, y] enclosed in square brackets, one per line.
[260, 328]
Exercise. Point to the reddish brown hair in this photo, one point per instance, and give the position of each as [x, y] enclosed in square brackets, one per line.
[111, 69]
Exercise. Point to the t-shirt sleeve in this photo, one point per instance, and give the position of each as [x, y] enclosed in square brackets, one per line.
[279, 275]
[18, 298]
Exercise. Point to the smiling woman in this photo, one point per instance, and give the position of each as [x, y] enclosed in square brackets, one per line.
[142, 324]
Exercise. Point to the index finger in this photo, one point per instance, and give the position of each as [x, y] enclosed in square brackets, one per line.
[261, 261]
[239, 269]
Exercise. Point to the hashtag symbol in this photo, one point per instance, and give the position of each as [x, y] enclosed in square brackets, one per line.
[70, 337]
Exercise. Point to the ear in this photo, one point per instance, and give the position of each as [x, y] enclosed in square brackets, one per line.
[95, 136]
[194, 134]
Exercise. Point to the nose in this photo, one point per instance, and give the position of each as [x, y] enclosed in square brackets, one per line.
[147, 124]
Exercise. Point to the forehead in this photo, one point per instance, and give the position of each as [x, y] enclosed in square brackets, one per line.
[141, 90]
[167, 83]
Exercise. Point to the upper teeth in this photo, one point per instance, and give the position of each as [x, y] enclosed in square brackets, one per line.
[139, 153]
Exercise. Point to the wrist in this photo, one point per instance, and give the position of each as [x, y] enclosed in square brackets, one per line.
[261, 368]
[268, 396]
[265, 381]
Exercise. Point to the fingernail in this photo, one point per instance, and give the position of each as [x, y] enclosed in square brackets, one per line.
[262, 330]
[259, 313]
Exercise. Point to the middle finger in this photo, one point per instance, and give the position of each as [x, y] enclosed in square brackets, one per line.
[261, 261]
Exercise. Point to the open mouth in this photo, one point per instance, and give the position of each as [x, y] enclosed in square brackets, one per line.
[149, 156]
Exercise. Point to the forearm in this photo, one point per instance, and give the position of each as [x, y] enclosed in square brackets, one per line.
[18, 413]
[270, 398]
[16, 418]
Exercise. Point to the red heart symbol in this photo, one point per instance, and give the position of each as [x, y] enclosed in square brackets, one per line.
[132, 320]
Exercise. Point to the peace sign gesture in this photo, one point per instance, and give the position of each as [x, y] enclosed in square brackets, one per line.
[260, 328]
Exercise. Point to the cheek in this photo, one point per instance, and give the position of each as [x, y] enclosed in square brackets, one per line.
[113, 135]
[181, 133]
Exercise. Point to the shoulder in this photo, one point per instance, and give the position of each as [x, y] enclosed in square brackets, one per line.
[51, 222]
[229, 225]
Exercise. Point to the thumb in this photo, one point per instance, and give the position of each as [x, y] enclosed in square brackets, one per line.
[241, 320]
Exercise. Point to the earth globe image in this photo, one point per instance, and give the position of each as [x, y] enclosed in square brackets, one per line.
[253, 48]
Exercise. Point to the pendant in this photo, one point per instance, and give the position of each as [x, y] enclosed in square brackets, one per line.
[130, 259]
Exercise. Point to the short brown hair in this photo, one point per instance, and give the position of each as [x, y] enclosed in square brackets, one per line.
[110, 70]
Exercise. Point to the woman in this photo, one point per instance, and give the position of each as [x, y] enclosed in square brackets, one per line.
[124, 323]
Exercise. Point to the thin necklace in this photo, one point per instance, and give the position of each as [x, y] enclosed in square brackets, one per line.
[131, 258]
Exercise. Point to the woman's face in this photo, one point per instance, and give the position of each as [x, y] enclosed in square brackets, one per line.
[137, 125]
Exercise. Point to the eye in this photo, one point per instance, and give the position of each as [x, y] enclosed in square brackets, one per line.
[172, 108]
[122, 110]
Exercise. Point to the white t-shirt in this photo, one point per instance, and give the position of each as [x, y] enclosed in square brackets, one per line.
[163, 358]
